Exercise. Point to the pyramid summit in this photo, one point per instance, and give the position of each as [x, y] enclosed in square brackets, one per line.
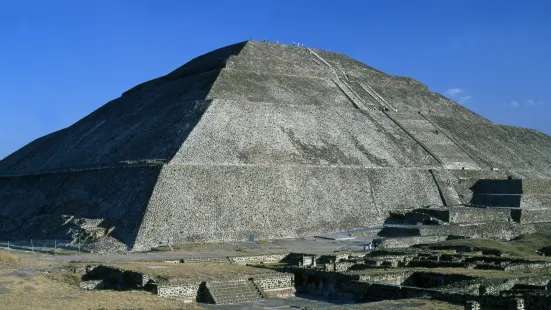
[269, 140]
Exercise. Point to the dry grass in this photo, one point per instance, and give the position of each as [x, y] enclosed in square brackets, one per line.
[64, 277]
[8, 258]
[192, 272]
[524, 246]
[24, 290]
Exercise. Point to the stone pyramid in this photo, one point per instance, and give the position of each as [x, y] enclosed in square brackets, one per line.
[268, 140]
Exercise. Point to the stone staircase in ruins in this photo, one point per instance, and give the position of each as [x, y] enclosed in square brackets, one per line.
[233, 291]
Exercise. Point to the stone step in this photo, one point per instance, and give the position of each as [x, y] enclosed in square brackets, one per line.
[233, 292]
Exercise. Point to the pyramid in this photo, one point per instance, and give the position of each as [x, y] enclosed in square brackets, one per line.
[269, 140]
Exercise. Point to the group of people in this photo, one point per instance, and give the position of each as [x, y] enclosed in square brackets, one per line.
[301, 44]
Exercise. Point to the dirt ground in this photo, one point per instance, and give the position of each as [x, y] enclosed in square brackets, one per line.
[28, 282]
[192, 272]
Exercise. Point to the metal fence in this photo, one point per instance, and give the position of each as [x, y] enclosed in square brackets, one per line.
[41, 245]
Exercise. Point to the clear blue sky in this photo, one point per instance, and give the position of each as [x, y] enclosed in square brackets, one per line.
[60, 60]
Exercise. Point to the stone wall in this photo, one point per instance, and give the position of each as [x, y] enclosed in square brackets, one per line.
[531, 215]
[273, 286]
[244, 260]
[342, 265]
[459, 215]
[187, 291]
[404, 242]
[276, 286]
[91, 285]
[206, 260]
[395, 278]
[489, 230]
[221, 203]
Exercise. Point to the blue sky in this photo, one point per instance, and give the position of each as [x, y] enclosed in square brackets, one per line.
[60, 60]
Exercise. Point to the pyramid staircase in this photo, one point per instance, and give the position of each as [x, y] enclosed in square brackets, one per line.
[234, 291]
[434, 141]
[341, 81]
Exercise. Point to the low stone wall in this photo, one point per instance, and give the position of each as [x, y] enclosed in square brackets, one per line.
[278, 281]
[535, 215]
[395, 278]
[243, 260]
[469, 215]
[404, 242]
[388, 260]
[489, 230]
[276, 286]
[205, 260]
[91, 285]
[534, 280]
[272, 285]
[439, 264]
[426, 279]
[280, 292]
[341, 266]
[531, 265]
[187, 291]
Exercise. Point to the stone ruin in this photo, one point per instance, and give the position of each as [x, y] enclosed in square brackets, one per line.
[234, 290]
[350, 277]
[374, 276]
[274, 141]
